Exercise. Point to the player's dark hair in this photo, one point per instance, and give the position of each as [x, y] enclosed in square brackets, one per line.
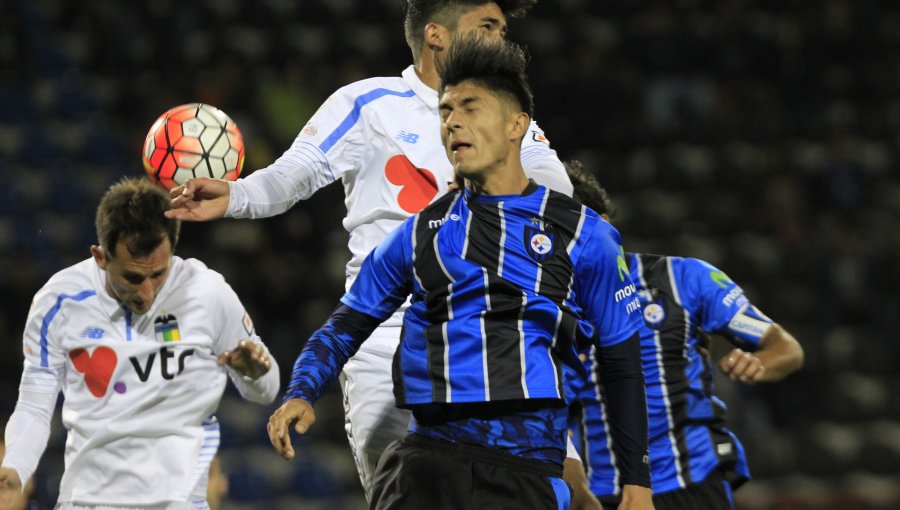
[131, 211]
[447, 12]
[496, 66]
[588, 190]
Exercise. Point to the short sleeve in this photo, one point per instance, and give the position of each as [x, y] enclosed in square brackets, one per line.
[604, 287]
[720, 303]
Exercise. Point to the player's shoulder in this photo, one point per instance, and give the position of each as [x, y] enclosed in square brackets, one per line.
[76, 278]
[195, 274]
[369, 88]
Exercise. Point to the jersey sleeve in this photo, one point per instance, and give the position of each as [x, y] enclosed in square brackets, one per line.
[385, 279]
[541, 162]
[235, 325]
[720, 304]
[604, 287]
[329, 145]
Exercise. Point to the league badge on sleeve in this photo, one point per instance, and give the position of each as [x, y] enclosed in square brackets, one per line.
[166, 328]
[248, 324]
[539, 244]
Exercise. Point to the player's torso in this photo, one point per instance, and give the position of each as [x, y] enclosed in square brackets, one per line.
[675, 370]
[158, 366]
[403, 168]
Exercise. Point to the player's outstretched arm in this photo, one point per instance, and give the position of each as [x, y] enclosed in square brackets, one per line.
[200, 199]
[295, 412]
[779, 355]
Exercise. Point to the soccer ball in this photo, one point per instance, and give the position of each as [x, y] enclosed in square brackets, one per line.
[193, 140]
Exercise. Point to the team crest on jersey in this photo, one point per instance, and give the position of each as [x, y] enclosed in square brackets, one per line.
[654, 314]
[166, 328]
[539, 244]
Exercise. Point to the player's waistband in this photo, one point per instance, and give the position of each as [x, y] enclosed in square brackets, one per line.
[487, 455]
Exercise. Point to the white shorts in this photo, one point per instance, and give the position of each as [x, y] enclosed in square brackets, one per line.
[371, 419]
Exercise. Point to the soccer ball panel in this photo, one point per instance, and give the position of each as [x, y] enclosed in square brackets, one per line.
[220, 147]
[209, 137]
[192, 127]
[217, 168]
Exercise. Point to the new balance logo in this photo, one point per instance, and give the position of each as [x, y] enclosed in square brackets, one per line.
[403, 136]
[92, 333]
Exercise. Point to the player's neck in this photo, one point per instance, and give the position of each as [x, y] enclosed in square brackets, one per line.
[426, 71]
[501, 180]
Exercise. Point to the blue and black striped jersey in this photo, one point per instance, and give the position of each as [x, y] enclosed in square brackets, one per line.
[502, 288]
[681, 299]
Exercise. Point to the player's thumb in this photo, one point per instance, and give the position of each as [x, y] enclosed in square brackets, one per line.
[305, 421]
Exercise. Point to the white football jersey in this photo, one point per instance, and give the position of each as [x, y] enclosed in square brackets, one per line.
[140, 390]
[381, 137]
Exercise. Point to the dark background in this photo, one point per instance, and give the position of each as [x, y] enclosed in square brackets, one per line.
[761, 136]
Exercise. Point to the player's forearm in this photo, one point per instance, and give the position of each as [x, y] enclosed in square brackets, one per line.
[623, 379]
[780, 354]
[270, 191]
[326, 352]
[28, 429]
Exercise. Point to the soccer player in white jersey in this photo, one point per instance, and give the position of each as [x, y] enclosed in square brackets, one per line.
[140, 342]
[381, 138]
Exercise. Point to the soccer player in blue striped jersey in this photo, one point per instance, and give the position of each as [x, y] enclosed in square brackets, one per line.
[505, 277]
[695, 461]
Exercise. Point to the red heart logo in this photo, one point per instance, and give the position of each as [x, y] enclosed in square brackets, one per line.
[97, 367]
[419, 184]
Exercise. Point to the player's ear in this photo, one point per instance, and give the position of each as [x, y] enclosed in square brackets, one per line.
[436, 36]
[99, 255]
[519, 124]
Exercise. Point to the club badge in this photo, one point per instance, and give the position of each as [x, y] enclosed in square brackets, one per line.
[539, 244]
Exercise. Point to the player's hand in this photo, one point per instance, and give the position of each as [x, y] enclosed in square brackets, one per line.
[10, 487]
[743, 366]
[296, 412]
[248, 359]
[200, 199]
[635, 497]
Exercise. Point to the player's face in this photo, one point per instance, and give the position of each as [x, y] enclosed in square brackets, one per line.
[477, 129]
[135, 281]
[487, 20]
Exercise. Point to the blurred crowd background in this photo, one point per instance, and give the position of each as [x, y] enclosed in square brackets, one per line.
[762, 136]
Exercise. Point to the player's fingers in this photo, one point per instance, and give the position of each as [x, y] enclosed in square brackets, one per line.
[753, 371]
[741, 364]
[176, 191]
[278, 436]
[224, 357]
[728, 361]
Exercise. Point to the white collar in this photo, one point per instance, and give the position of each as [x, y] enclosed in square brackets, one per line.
[427, 94]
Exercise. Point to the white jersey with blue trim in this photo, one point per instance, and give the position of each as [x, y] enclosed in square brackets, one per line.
[381, 137]
[140, 390]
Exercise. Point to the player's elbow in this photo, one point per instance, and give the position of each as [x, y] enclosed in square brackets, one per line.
[792, 355]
